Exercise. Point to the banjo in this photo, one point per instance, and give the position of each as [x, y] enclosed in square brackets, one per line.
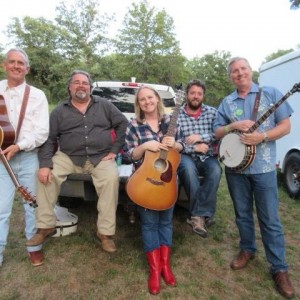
[238, 156]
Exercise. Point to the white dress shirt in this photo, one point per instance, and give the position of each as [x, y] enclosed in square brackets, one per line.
[35, 126]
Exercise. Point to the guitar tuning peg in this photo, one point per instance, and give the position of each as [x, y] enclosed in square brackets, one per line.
[179, 86]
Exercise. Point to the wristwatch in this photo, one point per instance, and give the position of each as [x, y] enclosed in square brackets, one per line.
[266, 138]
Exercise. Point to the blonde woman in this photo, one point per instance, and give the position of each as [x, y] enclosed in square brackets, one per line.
[146, 133]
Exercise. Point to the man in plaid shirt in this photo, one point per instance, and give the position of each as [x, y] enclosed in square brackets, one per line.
[198, 161]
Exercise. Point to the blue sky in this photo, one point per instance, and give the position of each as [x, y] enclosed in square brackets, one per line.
[253, 29]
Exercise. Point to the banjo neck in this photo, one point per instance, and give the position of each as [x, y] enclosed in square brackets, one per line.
[296, 88]
[238, 156]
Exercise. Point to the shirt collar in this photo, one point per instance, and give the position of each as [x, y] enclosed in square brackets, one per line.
[254, 89]
[18, 88]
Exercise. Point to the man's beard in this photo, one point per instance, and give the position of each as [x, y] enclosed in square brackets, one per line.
[194, 106]
[80, 95]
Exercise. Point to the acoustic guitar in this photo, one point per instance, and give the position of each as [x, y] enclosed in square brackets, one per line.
[7, 138]
[154, 184]
[238, 156]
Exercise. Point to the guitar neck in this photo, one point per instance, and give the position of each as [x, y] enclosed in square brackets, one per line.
[27, 196]
[9, 169]
[268, 112]
[173, 122]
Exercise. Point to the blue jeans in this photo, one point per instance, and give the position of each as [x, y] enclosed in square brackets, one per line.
[25, 166]
[262, 188]
[157, 228]
[202, 196]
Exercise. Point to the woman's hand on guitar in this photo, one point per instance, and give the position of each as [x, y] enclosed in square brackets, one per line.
[168, 141]
[10, 151]
[155, 146]
[45, 175]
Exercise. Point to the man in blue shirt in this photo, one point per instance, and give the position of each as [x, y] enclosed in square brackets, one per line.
[256, 180]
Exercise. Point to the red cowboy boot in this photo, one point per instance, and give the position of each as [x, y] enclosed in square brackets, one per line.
[153, 258]
[166, 271]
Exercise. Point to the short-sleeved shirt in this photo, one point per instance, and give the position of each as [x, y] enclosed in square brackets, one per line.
[233, 108]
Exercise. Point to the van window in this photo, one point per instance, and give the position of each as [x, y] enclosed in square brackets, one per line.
[123, 97]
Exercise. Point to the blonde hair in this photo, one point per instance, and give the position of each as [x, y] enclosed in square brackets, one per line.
[137, 109]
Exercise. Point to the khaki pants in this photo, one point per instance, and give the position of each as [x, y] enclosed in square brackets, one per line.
[106, 182]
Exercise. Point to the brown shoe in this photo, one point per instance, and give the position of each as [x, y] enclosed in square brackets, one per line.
[36, 258]
[241, 260]
[283, 284]
[40, 236]
[107, 243]
[198, 225]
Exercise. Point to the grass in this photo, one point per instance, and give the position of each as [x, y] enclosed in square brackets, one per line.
[76, 267]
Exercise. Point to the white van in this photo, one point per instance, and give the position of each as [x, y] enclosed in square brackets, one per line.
[283, 73]
[122, 94]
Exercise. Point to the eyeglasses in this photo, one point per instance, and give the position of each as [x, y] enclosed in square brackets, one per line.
[84, 83]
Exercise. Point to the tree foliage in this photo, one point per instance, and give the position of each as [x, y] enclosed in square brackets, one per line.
[146, 48]
[212, 69]
[83, 30]
[147, 45]
[76, 40]
[277, 54]
[39, 38]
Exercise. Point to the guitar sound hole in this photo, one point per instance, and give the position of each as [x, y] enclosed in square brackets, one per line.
[160, 165]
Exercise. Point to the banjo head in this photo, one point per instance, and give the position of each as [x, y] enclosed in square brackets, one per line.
[232, 152]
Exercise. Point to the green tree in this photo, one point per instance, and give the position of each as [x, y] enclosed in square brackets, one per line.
[277, 54]
[147, 46]
[39, 38]
[212, 69]
[83, 31]
[75, 41]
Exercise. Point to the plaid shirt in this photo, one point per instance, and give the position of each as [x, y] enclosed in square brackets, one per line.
[202, 125]
[139, 133]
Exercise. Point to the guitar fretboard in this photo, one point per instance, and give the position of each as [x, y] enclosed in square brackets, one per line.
[173, 122]
[265, 115]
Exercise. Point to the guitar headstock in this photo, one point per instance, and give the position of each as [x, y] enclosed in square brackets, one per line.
[31, 199]
[296, 88]
[180, 96]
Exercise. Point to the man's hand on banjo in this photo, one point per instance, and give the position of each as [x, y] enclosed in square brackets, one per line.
[242, 126]
[253, 138]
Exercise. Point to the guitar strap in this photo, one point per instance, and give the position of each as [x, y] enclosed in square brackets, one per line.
[23, 110]
[256, 105]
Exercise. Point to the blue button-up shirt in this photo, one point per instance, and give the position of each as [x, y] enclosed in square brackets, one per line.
[233, 108]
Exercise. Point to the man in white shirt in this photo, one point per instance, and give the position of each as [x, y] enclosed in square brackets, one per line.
[20, 153]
